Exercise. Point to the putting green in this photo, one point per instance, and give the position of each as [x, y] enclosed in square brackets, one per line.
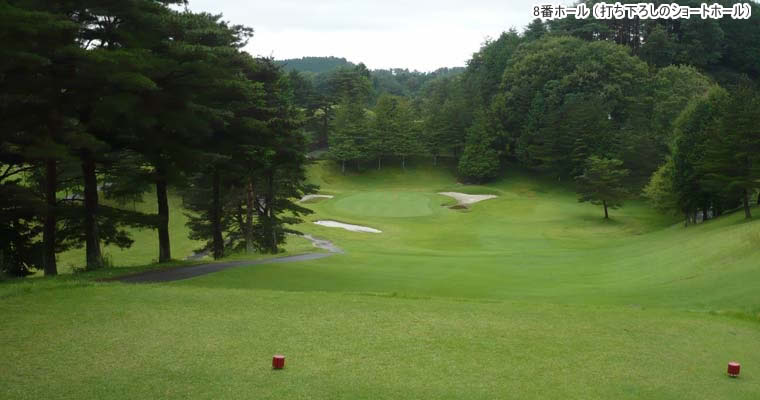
[386, 204]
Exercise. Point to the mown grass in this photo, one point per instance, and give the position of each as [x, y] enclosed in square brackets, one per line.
[531, 295]
[145, 249]
[122, 341]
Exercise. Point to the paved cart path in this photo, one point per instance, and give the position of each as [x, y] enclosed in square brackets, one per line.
[177, 274]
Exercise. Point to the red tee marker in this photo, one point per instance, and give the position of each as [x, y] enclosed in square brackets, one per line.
[734, 368]
[278, 362]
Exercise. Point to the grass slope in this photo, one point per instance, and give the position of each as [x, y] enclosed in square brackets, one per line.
[534, 243]
[145, 249]
[531, 295]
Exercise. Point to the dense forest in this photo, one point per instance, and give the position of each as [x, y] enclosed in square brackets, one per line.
[118, 99]
[666, 109]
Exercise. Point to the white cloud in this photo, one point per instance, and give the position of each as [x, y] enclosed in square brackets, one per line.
[422, 35]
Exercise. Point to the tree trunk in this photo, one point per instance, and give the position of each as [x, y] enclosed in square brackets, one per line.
[343, 167]
[379, 164]
[216, 216]
[92, 237]
[164, 243]
[747, 211]
[435, 161]
[270, 204]
[403, 162]
[606, 214]
[758, 199]
[48, 235]
[325, 139]
[249, 247]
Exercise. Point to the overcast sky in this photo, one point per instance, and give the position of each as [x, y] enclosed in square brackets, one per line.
[415, 34]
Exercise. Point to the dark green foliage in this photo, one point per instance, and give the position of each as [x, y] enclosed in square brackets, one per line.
[20, 252]
[741, 47]
[659, 190]
[659, 49]
[601, 183]
[253, 169]
[395, 128]
[350, 84]
[535, 30]
[479, 161]
[110, 98]
[563, 99]
[316, 65]
[349, 133]
[673, 87]
[724, 48]
[446, 117]
[402, 82]
[692, 129]
[37, 51]
[486, 68]
[561, 142]
[731, 162]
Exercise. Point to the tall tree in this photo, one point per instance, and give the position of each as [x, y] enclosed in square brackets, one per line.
[732, 155]
[254, 168]
[37, 53]
[116, 37]
[601, 183]
[395, 122]
[348, 132]
[689, 152]
[479, 161]
[446, 117]
[564, 74]
[659, 190]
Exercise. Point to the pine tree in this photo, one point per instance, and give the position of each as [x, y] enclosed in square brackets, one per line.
[253, 168]
[692, 129]
[349, 126]
[732, 157]
[37, 52]
[602, 183]
[479, 161]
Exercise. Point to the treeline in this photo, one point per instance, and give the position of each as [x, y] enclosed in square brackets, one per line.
[319, 95]
[608, 105]
[119, 99]
[315, 65]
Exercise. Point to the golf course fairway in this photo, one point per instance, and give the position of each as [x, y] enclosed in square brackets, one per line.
[528, 295]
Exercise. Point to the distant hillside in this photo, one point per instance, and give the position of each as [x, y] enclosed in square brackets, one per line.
[316, 65]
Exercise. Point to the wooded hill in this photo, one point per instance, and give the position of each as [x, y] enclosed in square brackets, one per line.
[662, 108]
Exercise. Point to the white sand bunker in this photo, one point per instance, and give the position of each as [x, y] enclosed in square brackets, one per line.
[467, 199]
[348, 227]
[315, 196]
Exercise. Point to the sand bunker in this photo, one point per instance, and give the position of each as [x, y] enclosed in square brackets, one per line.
[315, 196]
[348, 227]
[467, 199]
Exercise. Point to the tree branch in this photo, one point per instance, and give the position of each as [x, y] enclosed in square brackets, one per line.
[9, 172]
